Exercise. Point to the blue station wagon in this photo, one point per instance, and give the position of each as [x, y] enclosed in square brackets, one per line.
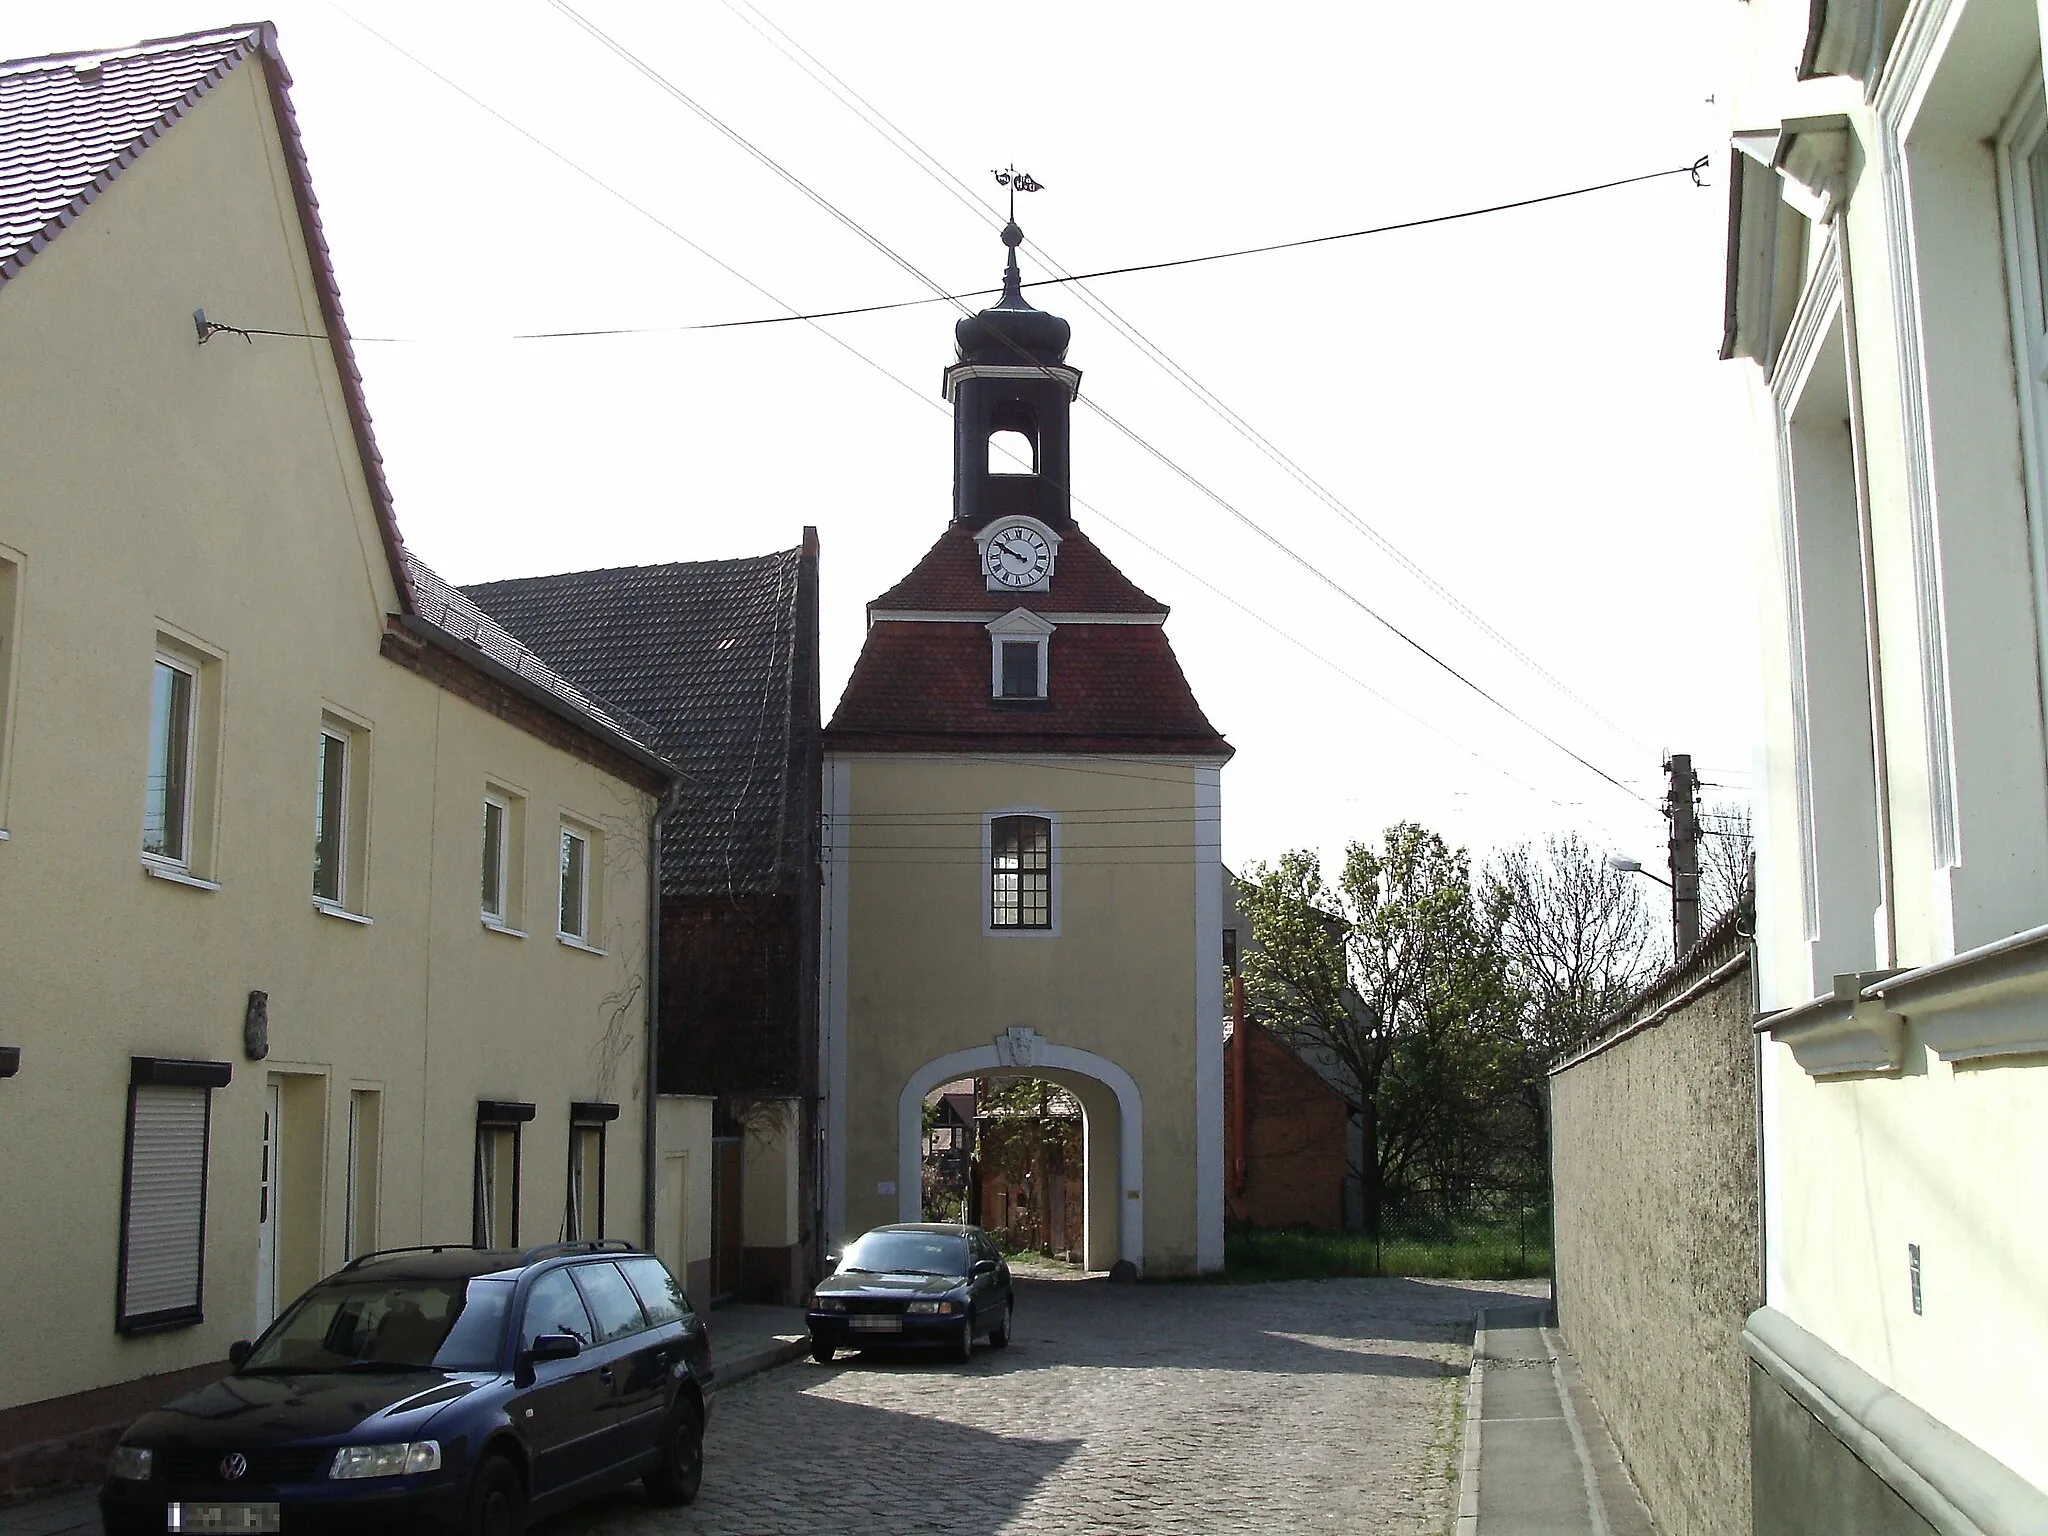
[448, 1388]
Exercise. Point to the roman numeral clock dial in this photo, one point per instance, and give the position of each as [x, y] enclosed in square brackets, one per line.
[1018, 557]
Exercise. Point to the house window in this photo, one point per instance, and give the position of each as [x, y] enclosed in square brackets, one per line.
[167, 794]
[330, 819]
[578, 917]
[585, 1216]
[163, 1192]
[365, 1130]
[1020, 872]
[10, 587]
[1023, 669]
[495, 1217]
[2023, 177]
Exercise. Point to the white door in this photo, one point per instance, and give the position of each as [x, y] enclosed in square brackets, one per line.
[266, 1218]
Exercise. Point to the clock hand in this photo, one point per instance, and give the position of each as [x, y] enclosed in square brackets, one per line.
[1005, 549]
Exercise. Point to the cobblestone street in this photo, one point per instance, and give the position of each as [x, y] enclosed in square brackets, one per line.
[1328, 1406]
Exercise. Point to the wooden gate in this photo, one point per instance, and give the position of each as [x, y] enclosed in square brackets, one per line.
[728, 1216]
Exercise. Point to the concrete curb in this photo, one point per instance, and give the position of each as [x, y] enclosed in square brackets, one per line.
[1467, 1521]
[755, 1361]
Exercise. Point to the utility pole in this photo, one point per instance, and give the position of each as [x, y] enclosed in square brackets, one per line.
[1681, 802]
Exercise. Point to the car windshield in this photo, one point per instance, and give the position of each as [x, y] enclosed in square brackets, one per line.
[390, 1325]
[906, 1253]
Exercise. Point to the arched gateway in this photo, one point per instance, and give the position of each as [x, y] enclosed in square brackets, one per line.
[1022, 840]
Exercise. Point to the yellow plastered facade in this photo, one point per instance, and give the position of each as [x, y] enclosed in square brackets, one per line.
[214, 495]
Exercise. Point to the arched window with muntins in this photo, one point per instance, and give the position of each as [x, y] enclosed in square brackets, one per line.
[1020, 872]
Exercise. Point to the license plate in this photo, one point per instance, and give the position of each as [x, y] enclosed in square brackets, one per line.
[221, 1517]
[876, 1324]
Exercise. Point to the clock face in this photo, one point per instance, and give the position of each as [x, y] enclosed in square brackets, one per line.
[1017, 557]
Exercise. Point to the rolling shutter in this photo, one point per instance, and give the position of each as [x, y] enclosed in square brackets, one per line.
[164, 1220]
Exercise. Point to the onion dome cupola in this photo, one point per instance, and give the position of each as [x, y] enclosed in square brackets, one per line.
[1012, 393]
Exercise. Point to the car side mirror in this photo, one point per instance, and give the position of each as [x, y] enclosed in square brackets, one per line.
[239, 1353]
[555, 1346]
[984, 1266]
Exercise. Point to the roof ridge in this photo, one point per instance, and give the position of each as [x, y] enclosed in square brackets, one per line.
[250, 32]
[795, 552]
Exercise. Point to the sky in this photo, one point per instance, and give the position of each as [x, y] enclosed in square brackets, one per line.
[1526, 405]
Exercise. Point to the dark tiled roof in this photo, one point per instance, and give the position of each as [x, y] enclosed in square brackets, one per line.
[71, 123]
[448, 610]
[1111, 688]
[948, 579]
[714, 656]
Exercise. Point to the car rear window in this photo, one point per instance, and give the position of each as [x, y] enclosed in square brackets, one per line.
[447, 1325]
[659, 1291]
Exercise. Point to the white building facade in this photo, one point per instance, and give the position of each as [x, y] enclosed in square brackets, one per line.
[1888, 259]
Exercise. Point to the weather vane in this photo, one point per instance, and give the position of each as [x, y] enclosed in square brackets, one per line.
[1017, 181]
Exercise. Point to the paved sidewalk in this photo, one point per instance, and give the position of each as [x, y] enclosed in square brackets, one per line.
[1544, 1462]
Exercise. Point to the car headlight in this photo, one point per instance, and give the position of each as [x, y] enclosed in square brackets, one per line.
[828, 1304]
[942, 1308]
[387, 1460]
[131, 1464]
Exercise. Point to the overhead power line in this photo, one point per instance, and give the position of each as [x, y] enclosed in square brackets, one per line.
[922, 397]
[944, 178]
[839, 215]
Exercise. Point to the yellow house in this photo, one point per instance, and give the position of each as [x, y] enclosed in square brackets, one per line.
[1022, 840]
[323, 904]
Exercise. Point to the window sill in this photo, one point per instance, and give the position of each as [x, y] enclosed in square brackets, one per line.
[570, 941]
[990, 931]
[491, 925]
[328, 909]
[178, 876]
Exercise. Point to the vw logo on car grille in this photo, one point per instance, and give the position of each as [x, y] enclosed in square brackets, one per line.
[233, 1466]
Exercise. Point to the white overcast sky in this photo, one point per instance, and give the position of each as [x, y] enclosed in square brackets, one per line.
[1527, 404]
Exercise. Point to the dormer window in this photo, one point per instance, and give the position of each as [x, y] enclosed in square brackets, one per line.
[1019, 641]
[1021, 672]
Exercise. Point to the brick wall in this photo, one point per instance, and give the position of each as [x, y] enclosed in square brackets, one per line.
[1291, 1169]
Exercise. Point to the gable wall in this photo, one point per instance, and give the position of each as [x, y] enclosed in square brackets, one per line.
[154, 484]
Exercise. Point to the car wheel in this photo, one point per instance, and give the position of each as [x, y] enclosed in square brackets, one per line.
[497, 1500]
[681, 1471]
[822, 1352]
[999, 1336]
[964, 1350]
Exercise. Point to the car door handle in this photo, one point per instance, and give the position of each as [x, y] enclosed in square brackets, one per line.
[605, 1374]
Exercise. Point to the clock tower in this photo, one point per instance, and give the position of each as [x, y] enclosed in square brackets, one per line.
[1022, 840]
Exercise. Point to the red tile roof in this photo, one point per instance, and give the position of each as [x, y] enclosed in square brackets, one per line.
[949, 580]
[924, 687]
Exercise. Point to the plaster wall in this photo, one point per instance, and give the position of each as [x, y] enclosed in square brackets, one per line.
[918, 977]
[1658, 1257]
[1942, 1153]
[212, 493]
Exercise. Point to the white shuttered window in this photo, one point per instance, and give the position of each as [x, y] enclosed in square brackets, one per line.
[164, 1221]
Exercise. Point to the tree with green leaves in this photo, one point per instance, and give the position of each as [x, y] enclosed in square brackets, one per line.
[1395, 978]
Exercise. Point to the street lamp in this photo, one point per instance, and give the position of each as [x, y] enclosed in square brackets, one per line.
[1629, 866]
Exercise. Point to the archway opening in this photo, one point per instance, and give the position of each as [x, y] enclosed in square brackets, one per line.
[1008, 1152]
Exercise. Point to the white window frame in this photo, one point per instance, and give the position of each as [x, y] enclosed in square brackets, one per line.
[1020, 625]
[2024, 131]
[988, 896]
[179, 860]
[343, 830]
[12, 577]
[501, 917]
[360, 1216]
[579, 936]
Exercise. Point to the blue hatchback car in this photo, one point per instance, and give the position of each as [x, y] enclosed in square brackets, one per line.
[451, 1389]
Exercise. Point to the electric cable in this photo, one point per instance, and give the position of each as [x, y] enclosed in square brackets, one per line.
[649, 72]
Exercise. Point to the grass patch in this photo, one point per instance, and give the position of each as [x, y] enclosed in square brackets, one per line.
[1505, 1249]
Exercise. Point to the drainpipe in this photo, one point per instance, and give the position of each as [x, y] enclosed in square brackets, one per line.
[1888, 936]
[650, 1132]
